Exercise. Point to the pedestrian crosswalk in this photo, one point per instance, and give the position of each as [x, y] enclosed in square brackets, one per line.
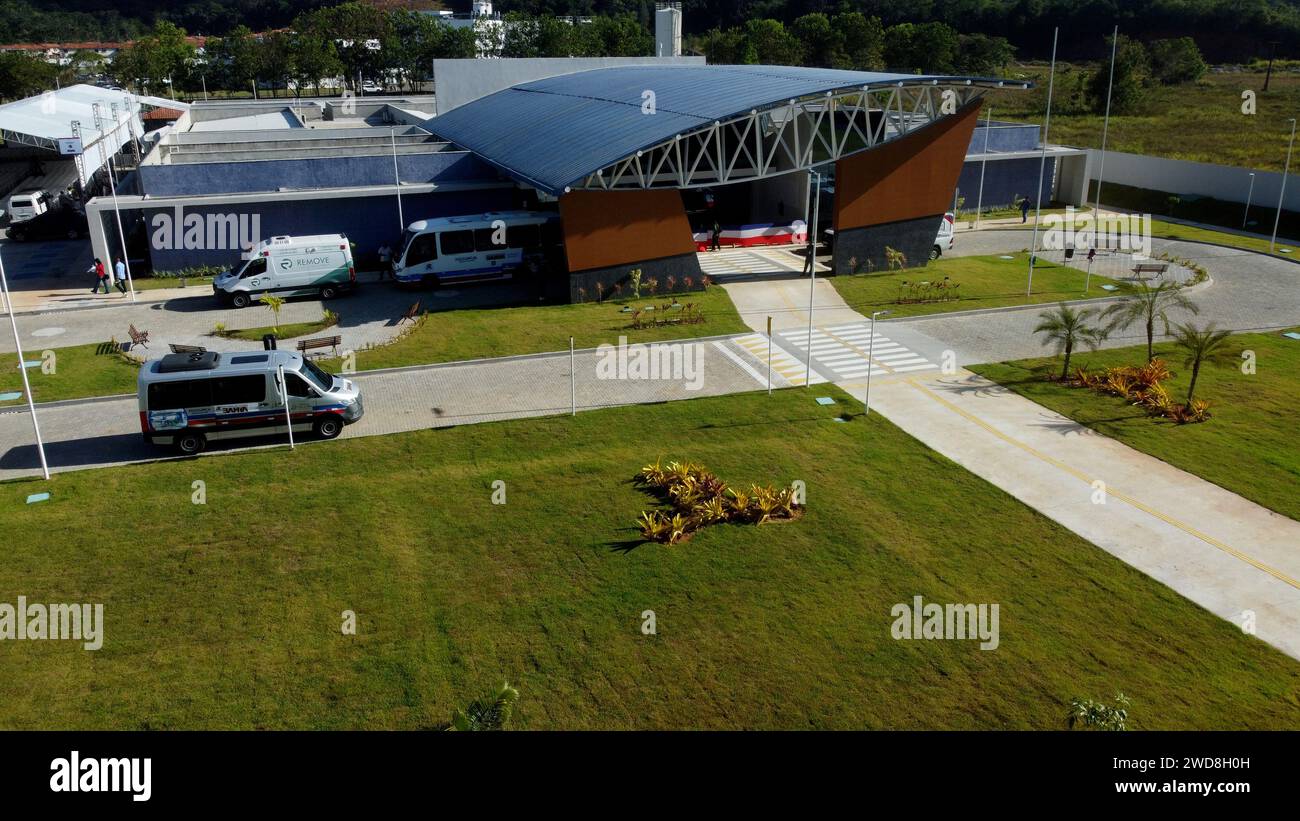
[786, 370]
[742, 261]
[843, 350]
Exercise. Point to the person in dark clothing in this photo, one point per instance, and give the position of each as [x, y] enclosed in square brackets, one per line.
[1024, 210]
[716, 243]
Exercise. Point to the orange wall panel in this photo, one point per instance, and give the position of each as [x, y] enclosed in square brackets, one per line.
[907, 178]
[606, 228]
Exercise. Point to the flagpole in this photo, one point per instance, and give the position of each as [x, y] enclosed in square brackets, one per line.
[1042, 163]
[979, 205]
[1101, 167]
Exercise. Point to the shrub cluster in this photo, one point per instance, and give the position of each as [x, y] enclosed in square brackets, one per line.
[699, 498]
[1141, 386]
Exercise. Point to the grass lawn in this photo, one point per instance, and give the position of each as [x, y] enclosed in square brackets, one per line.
[228, 616]
[151, 283]
[450, 336]
[286, 330]
[986, 282]
[79, 371]
[1199, 121]
[1248, 447]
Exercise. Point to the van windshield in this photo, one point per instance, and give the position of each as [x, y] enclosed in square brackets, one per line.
[312, 373]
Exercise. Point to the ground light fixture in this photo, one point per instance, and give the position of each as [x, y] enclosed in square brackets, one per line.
[871, 346]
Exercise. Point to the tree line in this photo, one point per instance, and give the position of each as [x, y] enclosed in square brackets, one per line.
[1229, 30]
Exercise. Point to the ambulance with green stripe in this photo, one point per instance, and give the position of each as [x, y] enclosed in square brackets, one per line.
[319, 266]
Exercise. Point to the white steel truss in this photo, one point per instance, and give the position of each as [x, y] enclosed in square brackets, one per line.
[797, 135]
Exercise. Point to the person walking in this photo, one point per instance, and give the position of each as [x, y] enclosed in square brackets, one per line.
[385, 262]
[716, 243]
[1024, 210]
[101, 276]
[119, 270]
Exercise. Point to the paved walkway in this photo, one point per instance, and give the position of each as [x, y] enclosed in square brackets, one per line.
[1225, 553]
[1218, 549]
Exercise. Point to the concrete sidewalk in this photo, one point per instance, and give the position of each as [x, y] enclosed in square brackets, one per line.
[1227, 554]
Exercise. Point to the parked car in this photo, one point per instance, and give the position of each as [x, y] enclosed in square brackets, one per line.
[62, 221]
[943, 240]
[27, 204]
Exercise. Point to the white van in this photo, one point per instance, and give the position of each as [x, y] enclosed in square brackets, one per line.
[476, 247]
[943, 240]
[27, 204]
[290, 266]
[189, 399]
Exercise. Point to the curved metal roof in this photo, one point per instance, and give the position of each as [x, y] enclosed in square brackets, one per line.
[554, 133]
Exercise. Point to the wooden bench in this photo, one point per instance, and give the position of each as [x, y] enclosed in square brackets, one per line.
[186, 348]
[138, 337]
[331, 342]
[1155, 268]
[411, 313]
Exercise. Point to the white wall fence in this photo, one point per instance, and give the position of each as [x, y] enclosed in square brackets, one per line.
[1184, 177]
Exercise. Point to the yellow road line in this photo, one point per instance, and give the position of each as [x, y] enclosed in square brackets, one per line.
[1205, 537]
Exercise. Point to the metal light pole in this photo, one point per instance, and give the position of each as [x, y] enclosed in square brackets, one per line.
[288, 417]
[1282, 193]
[871, 347]
[1249, 191]
[1042, 163]
[117, 213]
[812, 274]
[22, 368]
[769, 356]
[397, 184]
[984, 161]
[1105, 127]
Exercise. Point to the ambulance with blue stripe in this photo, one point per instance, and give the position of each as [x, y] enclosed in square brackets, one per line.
[189, 399]
[477, 247]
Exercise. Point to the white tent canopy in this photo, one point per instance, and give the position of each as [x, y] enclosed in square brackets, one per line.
[45, 121]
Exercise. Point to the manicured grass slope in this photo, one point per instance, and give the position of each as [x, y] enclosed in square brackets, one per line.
[80, 370]
[1248, 447]
[986, 282]
[477, 333]
[228, 614]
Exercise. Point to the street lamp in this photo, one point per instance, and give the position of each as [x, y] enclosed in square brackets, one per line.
[1282, 193]
[871, 346]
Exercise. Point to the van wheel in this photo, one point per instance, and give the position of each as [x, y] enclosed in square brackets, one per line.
[329, 427]
[329, 292]
[429, 281]
[191, 443]
[936, 252]
[240, 300]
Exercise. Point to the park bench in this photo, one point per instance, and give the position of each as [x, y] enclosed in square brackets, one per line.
[138, 337]
[331, 342]
[411, 313]
[1153, 268]
[186, 348]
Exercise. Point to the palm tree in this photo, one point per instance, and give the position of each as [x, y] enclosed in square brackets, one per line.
[490, 713]
[1147, 305]
[1068, 329]
[1201, 346]
[275, 303]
